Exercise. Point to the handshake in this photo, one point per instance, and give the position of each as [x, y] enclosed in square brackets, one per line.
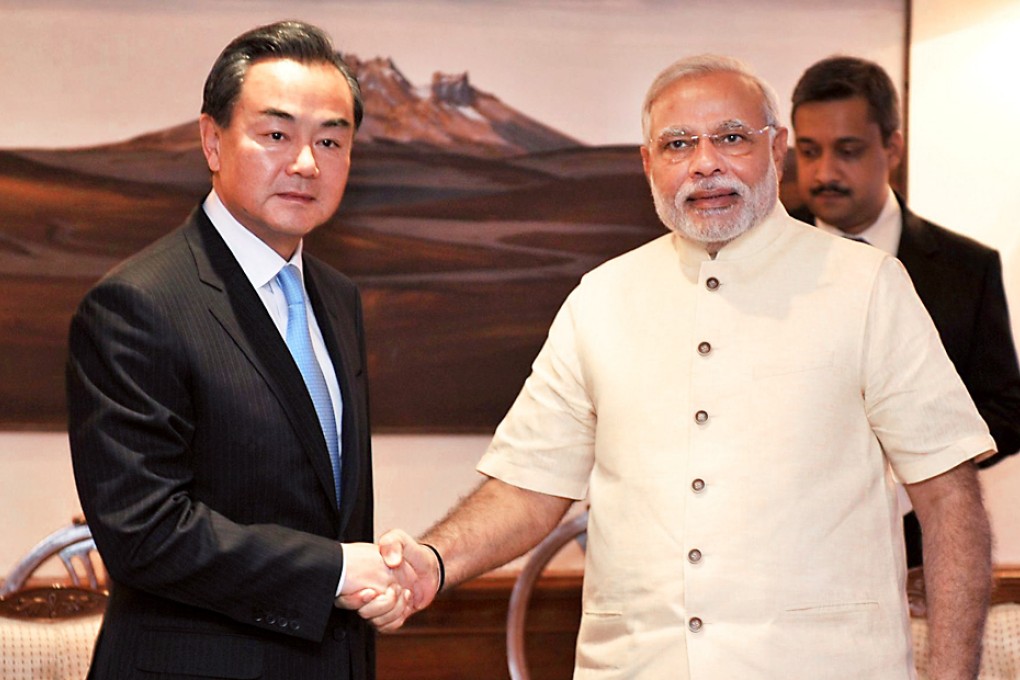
[388, 582]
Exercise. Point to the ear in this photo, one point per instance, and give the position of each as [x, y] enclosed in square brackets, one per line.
[211, 133]
[894, 149]
[646, 161]
[779, 150]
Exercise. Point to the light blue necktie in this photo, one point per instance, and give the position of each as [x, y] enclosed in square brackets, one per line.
[299, 341]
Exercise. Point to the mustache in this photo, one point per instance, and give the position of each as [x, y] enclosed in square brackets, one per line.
[830, 187]
[734, 186]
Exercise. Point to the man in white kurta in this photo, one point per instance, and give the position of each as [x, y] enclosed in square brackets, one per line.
[732, 422]
[733, 400]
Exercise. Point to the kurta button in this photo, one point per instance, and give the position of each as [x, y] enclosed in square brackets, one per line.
[704, 348]
[701, 417]
[698, 485]
[694, 624]
[694, 556]
[712, 283]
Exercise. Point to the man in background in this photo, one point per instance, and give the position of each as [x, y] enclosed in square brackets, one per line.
[729, 398]
[846, 118]
[218, 399]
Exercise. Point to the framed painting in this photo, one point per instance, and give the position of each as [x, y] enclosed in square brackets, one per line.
[498, 162]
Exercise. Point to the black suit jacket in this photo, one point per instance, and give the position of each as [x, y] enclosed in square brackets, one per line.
[960, 283]
[203, 472]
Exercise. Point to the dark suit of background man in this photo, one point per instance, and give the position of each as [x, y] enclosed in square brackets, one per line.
[847, 124]
[199, 457]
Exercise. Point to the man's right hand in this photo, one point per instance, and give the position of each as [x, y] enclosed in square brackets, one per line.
[415, 569]
[367, 577]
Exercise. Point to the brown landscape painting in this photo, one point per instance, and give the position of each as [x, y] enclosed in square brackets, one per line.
[465, 224]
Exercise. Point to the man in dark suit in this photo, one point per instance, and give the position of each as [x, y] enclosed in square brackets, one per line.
[226, 472]
[847, 124]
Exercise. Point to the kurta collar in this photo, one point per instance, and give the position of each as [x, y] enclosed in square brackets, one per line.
[748, 244]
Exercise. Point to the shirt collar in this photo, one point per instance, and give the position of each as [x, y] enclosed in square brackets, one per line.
[884, 233]
[259, 262]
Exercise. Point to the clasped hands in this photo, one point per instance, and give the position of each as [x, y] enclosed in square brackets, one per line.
[388, 582]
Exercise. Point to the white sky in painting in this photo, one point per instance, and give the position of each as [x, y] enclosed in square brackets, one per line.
[76, 74]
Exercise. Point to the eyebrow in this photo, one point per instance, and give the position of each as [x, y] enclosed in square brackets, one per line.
[330, 123]
[676, 131]
[848, 139]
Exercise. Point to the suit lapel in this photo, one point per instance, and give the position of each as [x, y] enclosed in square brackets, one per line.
[916, 240]
[334, 319]
[243, 316]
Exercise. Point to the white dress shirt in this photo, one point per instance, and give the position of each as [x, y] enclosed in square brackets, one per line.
[884, 233]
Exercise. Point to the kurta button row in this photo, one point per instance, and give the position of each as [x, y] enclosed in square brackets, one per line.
[704, 348]
[694, 624]
[694, 556]
[711, 283]
[701, 417]
[698, 485]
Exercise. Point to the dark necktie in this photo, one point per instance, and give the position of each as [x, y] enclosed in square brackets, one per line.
[299, 341]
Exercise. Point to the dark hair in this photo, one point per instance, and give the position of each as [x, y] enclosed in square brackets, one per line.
[294, 40]
[839, 78]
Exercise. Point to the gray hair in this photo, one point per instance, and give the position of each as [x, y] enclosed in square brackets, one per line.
[703, 65]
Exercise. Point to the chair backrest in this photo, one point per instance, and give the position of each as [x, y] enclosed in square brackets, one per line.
[574, 529]
[74, 547]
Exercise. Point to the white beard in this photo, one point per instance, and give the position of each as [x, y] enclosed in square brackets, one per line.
[720, 226]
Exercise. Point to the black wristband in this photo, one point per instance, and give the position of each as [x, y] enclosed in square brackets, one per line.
[442, 567]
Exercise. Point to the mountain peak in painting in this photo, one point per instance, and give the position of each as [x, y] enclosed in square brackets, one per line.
[449, 114]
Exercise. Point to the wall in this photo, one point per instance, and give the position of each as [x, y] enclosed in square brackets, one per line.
[964, 108]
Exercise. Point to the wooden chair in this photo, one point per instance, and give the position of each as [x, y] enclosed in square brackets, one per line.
[48, 627]
[74, 547]
[1000, 659]
[574, 529]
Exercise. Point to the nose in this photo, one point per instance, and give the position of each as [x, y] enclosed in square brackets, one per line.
[827, 168]
[706, 159]
[304, 163]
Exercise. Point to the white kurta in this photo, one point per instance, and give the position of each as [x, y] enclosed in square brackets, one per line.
[732, 423]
